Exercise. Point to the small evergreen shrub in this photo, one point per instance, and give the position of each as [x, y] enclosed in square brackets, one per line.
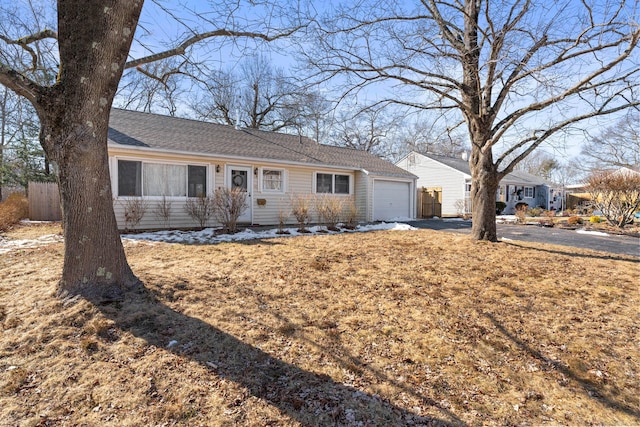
[500, 206]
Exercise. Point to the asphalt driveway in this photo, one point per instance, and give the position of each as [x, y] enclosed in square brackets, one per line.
[626, 245]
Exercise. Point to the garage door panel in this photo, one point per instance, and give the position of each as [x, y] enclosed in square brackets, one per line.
[391, 199]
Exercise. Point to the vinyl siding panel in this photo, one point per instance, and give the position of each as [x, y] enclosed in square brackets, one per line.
[363, 189]
[434, 174]
[297, 180]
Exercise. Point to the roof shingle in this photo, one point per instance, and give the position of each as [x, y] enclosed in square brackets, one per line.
[157, 132]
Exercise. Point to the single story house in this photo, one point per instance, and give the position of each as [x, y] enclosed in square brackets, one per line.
[450, 179]
[154, 157]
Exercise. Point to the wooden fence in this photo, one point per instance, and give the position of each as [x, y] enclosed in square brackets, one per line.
[44, 202]
[429, 202]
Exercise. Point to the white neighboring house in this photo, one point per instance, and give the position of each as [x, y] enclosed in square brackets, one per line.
[452, 176]
[151, 156]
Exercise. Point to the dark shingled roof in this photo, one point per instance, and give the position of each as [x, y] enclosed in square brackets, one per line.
[157, 132]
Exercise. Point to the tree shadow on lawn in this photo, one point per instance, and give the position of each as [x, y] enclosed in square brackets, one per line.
[341, 354]
[590, 388]
[309, 398]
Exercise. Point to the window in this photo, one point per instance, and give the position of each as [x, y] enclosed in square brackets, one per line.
[136, 178]
[272, 180]
[129, 178]
[164, 180]
[324, 183]
[197, 181]
[332, 183]
[467, 188]
[528, 192]
[342, 184]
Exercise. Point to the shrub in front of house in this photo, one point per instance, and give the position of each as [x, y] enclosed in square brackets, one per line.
[329, 208]
[134, 210]
[301, 210]
[574, 220]
[12, 210]
[537, 211]
[200, 209]
[227, 205]
[521, 212]
[500, 206]
[595, 219]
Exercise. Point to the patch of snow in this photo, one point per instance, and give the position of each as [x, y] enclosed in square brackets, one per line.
[401, 219]
[594, 233]
[10, 245]
[506, 239]
[504, 219]
[208, 235]
[454, 219]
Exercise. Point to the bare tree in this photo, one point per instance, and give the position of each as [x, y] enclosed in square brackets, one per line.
[616, 146]
[518, 72]
[315, 118]
[426, 137]
[541, 164]
[616, 194]
[258, 97]
[156, 88]
[371, 130]
[93, 40]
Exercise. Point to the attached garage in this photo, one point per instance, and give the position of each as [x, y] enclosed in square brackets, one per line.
[392, 199]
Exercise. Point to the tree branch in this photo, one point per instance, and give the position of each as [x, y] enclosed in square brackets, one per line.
[182, 48]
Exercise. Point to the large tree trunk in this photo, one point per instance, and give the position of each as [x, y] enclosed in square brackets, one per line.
[94, 39]
[95, 265]
[483, 195]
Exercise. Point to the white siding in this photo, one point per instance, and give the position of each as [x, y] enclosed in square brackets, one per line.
[434, 174]
[363, 196]
[298, 180]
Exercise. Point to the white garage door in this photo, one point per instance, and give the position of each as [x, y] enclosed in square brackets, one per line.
[391, 199]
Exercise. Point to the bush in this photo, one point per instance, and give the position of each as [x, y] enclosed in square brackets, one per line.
[329, 208]
[12, 210]
[616, 195]
[199, 209]
[163, 212]
[227, 206]
[521, 212]
[134, 210]
[351, 215]
[595, 219]
[549, 218]
[535, 211]
[300, 208]
[574, 220]
[500, 206]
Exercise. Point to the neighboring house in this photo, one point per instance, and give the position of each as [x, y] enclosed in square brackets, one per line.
[578, 195]
[151, 156]
[451, 177]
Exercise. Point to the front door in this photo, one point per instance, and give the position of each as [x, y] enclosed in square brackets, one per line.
[240, 177]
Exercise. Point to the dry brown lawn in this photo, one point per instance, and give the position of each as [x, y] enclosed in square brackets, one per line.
[385, 328]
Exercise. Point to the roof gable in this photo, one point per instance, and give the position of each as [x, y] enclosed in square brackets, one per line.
[156, 132]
